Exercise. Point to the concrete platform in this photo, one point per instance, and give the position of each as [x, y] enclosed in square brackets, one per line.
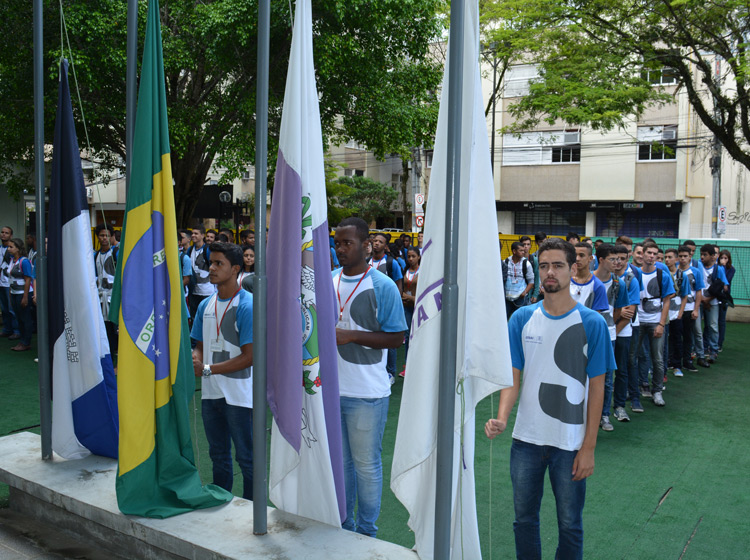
[79, 497]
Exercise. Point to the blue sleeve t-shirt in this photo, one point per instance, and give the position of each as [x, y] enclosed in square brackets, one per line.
[557, 355]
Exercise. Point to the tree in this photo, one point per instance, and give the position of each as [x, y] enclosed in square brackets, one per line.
[601, 61]
[377, 83]
[368, 199]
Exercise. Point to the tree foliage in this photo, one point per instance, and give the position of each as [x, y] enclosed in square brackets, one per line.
[367, 198]
[376, 81]
[597, 59]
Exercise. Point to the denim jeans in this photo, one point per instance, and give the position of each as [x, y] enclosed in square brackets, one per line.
[642, 364]
[675, 343]
[362, 427]
[23, 317]
[711, 330]
[528, 463]
[722, 323]
[656, 347]
[10, 325]
[225, 423]
[408, 315]
[390, 363]
[698, 335]
[608, 381]
[622, 377]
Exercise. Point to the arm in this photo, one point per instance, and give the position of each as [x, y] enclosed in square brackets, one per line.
[659, 330]
[370, 339]
[626, 315]
[496, 426]
[682, 307]
[244, 360]
[583, 465]
[25, 298]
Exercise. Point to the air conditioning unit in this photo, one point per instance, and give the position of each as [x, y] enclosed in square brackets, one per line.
[89, 192]
[669, 134]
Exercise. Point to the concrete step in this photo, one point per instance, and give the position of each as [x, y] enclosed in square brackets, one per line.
[79, 497]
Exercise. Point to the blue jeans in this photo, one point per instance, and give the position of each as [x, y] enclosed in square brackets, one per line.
[698, 335]
[23, 317]
[711, 330]
[225, 423]
[528, 464]
[408, 315]
[608, 381]
[722, 323]
[622, 377]
[656, 347]
[390, 363]
[10, 325]
[362, 427]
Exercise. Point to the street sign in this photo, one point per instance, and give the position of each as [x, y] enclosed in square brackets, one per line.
[420, 221]
[418, 205]
[721, 219]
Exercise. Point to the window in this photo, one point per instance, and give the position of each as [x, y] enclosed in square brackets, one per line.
[354, 145]
[637, 224]
[518, 78]
[429, 154]
[542, 148]
[661, 77]
[657, 143]
[555, 222]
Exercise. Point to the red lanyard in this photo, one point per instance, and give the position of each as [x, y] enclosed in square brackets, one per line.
[410, 281]
[341, 307]
[374, 264]
[216, 311]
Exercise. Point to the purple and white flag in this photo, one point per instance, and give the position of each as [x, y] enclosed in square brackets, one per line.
[483, 351]
[306, 475]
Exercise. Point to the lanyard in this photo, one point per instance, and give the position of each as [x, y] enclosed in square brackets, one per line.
[410, 280]
[341, 307]
[216, 312]
[375, 265]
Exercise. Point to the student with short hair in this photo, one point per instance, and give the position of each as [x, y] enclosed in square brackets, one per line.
[560, 351]
[691, 315]
[520, 279]
[21, 275]
[712, 273]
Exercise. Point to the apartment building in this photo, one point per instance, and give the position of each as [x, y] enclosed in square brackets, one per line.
[651, 178]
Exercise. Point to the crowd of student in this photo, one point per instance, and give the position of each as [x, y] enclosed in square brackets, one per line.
[665, 309]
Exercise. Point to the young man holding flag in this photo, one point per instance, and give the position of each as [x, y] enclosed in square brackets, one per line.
[563, 350]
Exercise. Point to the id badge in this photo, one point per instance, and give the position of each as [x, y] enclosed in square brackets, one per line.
[217, 346]
[343, 324]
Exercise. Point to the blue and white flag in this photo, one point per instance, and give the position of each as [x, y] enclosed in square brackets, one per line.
[483, 351]
[306, 475]
[84, 413]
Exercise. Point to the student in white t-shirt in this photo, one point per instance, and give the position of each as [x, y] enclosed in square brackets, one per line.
[223, 357]
[563, 350]
[371, 320]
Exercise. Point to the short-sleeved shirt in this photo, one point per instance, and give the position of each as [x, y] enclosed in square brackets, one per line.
[682, 285]
[235, 321]
[371, 303]
[199, 258]
[592, 294]
[381, 264]
[186, 266]
[720, 274]
[517, 279]
[558, 356]
[629, 283]
[695, 282]
[4, 262]
[649, 311]
[19, 270]
[614, 301]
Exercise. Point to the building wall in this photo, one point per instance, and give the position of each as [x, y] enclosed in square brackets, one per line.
[540, 182]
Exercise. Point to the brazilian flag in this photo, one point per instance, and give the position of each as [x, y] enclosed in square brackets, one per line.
[156, 472]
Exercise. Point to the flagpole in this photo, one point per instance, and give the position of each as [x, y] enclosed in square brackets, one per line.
[449, 314]
[45, 389]
[131, 79]
[260, 288]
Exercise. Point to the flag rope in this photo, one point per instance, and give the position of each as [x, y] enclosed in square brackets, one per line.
[64, 27]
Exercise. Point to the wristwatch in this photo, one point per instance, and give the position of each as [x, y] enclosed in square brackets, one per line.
[206, 370]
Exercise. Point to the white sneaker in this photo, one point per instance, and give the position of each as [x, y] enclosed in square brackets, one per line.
[677, 372]
[606, 425]
[658, 399]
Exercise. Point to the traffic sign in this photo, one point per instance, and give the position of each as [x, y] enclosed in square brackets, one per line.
[721, 219]
[420, 221]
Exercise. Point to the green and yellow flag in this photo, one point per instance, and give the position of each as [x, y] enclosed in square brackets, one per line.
[155, 382]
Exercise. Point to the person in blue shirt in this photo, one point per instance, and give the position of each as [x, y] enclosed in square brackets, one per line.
[223, 357]
[562, 350]
[725, 260]
[691, 333]
[653, 313]
[21, 275]
[711, 271]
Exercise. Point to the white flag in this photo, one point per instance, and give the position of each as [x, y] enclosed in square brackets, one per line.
[483, 351]
[307, 474]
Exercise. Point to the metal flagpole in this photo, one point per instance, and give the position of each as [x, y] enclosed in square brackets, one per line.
[260, 288]
[131, 79]
[449, 314]
[45, 382]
